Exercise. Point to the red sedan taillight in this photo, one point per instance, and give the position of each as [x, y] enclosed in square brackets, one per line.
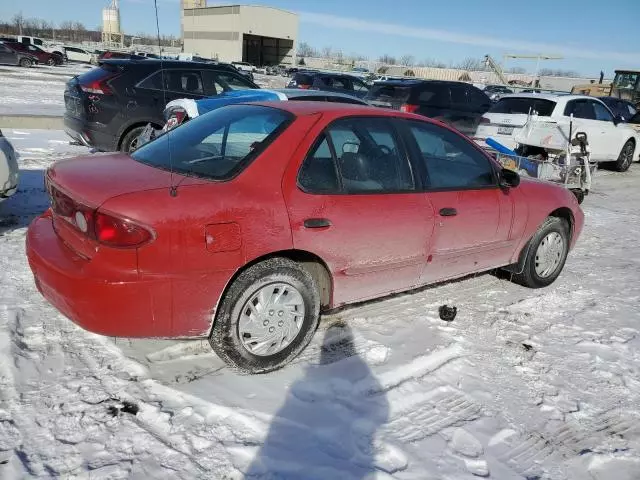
[118, 232]
[106, 228]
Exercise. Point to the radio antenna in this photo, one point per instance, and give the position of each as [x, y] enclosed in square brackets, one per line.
[173, 191]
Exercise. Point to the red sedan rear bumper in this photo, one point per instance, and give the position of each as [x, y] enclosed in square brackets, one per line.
[140, 308]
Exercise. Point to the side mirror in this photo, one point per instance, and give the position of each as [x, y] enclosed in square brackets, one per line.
[618, 119]
[509, 178]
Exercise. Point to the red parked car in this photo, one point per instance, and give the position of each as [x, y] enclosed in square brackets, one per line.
[245, 223]
[43, 57]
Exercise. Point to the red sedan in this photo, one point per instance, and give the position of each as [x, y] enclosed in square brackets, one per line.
[43, 57]
[245, 223]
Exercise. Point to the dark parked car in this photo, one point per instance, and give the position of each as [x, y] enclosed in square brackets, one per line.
[108, 107]
[10, 56]
[620, 108]
[455, 103]
[330, 82]
[43, 57]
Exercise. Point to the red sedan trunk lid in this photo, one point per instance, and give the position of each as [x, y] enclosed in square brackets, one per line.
[85, 183]
[94, 179]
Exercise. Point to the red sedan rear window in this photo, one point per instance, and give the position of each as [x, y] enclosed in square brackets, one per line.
[217, 145]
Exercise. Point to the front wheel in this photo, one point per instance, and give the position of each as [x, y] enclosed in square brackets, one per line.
[626, 157]
[25, 62]
[267, 317]
[546, 254]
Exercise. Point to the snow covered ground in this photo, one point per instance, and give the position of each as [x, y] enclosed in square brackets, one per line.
[35, 91]
[535, 384]
[40, 90]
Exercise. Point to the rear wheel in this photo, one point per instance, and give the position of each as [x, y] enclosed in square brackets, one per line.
[626, 157]
[130, 140]
[546, 254]
[267, 317]
[25, 62]
[51, 62]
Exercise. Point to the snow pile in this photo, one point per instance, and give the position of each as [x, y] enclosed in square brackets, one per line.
[538, 384]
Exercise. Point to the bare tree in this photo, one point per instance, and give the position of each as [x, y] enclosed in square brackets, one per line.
[472, 64]
[338, 55]
[430, 62]
[306, 50]
[407, 60]
[30, 26]
[327, 52]
[519, 70]
[18, 22]
[66, 30]
[547, 72]
[388, 59]
[357, 57]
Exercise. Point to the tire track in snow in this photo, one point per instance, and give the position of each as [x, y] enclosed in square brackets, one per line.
[568, 440]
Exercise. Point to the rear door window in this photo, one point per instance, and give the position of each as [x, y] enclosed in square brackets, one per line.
[388, 94]
[218, 82]
[524, 105]
[458, 96]
[369, 156]
[179, 81]
[434, 95]
[478, 100]
[580, 109]
[336, 82]
[318, 173]
[301, 79]
[601, 112]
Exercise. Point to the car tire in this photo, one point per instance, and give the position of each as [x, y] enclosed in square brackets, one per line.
[25, 62]
[625, 159]
[51, 62]
[130, 140]
[545, 254]
[231, 337]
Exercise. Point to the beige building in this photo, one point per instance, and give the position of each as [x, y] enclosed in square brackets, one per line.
[248, 33]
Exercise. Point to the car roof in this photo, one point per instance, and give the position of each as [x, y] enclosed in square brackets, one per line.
[165, 63]
[554, 97]
[614, 98]
[410, 82]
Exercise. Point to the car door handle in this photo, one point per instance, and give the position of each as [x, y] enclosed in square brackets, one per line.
[448, 212]
[317, 223]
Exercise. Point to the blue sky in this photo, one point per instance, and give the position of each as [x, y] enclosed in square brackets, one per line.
[590, 36]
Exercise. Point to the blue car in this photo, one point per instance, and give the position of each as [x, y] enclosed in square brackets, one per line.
[182, 110]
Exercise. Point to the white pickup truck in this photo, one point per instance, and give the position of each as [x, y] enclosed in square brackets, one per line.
[50, 47]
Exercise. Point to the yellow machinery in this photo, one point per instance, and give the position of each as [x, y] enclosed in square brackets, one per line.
[625, 85]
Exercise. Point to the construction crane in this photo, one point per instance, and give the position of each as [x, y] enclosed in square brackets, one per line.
[491, 63]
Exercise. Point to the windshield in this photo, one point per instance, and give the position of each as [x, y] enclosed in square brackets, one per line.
[627, 80]
[217, 145]
[524, 105]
